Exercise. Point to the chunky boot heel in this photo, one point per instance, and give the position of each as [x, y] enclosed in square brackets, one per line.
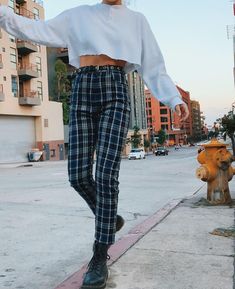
[120, 223]
[97, 272]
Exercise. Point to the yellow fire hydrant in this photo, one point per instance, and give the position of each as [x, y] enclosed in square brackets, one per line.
[217, 171]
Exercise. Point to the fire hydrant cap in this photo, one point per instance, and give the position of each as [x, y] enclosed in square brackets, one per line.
[215, 143]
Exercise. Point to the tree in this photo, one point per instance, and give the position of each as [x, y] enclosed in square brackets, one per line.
[62, 88]
[161, 137]
[146, 144]
[136, 138]
[228, 128]
[61, 77]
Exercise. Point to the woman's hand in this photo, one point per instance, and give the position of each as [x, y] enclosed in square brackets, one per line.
[182, 111]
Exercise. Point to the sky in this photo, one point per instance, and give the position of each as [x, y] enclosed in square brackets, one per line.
[192, 36]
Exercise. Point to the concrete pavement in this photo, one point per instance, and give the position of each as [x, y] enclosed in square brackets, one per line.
[180, 251]
[44, 239]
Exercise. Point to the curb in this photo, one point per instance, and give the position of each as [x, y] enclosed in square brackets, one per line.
[124, 244]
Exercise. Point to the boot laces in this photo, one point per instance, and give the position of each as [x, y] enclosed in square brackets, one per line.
[96, 263]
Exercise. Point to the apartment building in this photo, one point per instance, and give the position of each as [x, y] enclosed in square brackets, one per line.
[196, 118]
[138, 115]
[162, 117]
[27, 118]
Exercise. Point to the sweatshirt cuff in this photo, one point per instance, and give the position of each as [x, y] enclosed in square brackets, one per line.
[175, 101]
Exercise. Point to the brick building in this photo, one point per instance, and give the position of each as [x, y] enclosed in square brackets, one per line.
[162, 117]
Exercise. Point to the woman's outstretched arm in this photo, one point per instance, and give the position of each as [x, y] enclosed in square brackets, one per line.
[53, 33]
[154, 72]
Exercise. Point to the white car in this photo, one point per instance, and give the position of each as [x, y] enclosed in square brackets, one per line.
[136, 154]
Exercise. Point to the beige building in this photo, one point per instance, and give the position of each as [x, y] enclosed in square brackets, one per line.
[27, 118]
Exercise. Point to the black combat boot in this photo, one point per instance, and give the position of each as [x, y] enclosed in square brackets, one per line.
[120, 222]
[97, 272]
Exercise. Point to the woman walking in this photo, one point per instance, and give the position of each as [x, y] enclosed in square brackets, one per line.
[105, 41]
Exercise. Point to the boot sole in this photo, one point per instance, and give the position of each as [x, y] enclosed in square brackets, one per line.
[94, 287]
[102, 286]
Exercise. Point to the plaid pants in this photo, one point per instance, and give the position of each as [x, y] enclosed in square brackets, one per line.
[99, 120]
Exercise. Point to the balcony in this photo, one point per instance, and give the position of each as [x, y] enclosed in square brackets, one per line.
[2, 95]
[29, 98]
[27, 71]
[20, 2]
[25, 12]
[1, 62]
[62, 53]
[26, 47]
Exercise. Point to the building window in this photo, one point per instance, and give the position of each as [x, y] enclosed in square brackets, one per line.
[39, 65]
[11, 4]
[14, 85]
[12, 38]
[164, 126]
[46, 123]
[163, 111]
[13, 57]
[36, 13]
[162, 104]
[3, 49]
[164, 119]
[39, 89]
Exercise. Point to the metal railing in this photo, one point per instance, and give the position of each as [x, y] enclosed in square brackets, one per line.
[26, 41]
[29, 93]
[28, 66]
[25, 12]
[62, 50]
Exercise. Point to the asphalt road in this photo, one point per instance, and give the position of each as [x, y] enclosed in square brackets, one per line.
[46, 229]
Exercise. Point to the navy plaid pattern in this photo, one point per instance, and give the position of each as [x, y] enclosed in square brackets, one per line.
[99, 120]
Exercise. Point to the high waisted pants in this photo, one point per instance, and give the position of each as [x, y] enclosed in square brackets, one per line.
[99, 120]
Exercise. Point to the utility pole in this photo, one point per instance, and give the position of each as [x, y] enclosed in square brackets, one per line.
[231, 34]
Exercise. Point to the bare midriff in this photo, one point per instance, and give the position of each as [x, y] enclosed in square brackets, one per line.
[100, 60]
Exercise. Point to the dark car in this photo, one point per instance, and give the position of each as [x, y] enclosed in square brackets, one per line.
[161, 151]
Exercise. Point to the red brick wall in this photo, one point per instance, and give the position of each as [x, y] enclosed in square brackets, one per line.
[54, 149]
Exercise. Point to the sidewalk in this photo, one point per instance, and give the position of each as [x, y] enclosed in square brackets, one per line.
[178, 253]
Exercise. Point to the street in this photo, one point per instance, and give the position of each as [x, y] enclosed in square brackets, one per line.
[46, 228]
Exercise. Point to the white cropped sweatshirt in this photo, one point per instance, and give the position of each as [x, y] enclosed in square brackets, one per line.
[113, 30]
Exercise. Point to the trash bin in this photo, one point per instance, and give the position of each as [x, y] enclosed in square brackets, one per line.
[34, 155]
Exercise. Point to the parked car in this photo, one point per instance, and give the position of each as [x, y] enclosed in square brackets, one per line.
[161, 151]
[136, 154]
